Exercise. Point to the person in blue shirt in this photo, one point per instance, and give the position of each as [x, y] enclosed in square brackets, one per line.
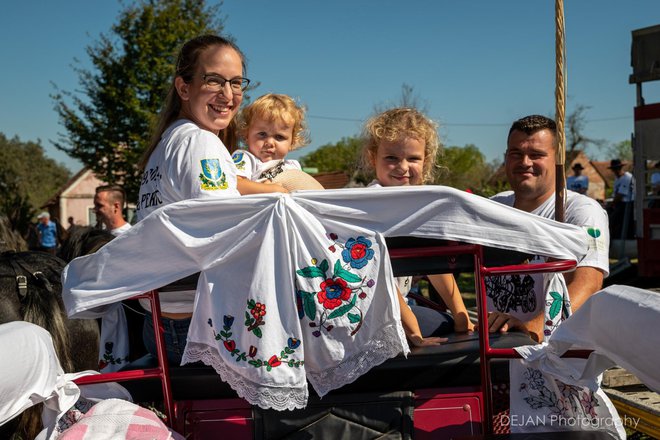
[578, 182]
[47, 233]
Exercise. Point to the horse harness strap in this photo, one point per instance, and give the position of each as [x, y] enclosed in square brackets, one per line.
[22, 281]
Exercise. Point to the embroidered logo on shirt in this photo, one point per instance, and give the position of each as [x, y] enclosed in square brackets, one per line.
[596, 238]
[238, 160]
[212, 177]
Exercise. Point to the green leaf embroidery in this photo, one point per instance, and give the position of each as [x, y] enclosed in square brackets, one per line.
[251, 303]
[556, 296]
[309, 305]
[353, 318]
[311, 272]
[346, 275]
[324, 266]
[594, 232]
[343, 309]
[555, 307]
[257, 332]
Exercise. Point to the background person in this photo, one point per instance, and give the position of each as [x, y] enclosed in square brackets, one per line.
[622, 224]
[655, 186]
[578, 182]
[518, 302]
[48, 234]
[109, 208]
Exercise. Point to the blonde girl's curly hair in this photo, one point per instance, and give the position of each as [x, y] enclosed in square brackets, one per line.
[401, 123]
[275, 107]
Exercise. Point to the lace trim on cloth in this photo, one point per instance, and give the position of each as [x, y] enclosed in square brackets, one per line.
[389, 343]
[277, 398]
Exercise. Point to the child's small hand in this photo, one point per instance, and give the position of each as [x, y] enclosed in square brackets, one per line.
[419, 341]
[276, 187]
[462, 323]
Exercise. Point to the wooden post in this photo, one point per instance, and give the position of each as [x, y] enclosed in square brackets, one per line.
[560, 111]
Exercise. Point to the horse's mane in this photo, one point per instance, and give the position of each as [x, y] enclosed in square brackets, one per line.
[41, 304]
[83, 240]
[10, 240]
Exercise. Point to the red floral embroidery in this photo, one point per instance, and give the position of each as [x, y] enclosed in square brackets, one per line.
[333, 292]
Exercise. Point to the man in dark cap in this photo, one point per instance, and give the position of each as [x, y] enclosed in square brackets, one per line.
[623, 197]
[578, 182]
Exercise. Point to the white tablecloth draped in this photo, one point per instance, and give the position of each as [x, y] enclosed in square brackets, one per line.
[297, 286]
[620, 324]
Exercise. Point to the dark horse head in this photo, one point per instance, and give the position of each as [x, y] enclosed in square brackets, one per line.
[40, 300]
[31, 290]
[83, 240]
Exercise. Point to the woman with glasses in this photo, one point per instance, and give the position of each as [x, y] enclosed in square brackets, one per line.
[187, 158]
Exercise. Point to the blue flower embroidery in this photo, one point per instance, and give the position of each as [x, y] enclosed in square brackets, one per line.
[357, 252]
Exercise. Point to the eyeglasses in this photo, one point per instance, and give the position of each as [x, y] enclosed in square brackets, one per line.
[217, 83]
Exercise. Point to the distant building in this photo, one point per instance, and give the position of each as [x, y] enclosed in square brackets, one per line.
[75, 199]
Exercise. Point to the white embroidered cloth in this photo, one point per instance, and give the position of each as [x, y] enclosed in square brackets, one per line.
[620, 325]
[297, 286]
[617, 324]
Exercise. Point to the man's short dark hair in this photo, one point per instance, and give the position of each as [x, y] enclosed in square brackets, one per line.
[533, 123]
[117, 193]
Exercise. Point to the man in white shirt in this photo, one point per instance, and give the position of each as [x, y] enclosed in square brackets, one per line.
[108, 206]
[518, 302]
[623, 196]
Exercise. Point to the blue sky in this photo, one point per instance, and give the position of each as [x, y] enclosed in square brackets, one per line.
[476, 65]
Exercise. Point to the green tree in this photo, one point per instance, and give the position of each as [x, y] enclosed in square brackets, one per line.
[576, 140]
[463, 168]
[108, 122]
[342, 156]
[622, 150]
[27, 180]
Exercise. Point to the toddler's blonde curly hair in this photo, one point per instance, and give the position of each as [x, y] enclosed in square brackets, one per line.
[401, 123]
[275, 107]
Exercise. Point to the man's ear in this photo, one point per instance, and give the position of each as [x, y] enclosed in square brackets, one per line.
[182, 88]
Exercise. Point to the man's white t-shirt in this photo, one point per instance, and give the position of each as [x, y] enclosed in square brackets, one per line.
[523, 296]
[625, 185]
[120, 230]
